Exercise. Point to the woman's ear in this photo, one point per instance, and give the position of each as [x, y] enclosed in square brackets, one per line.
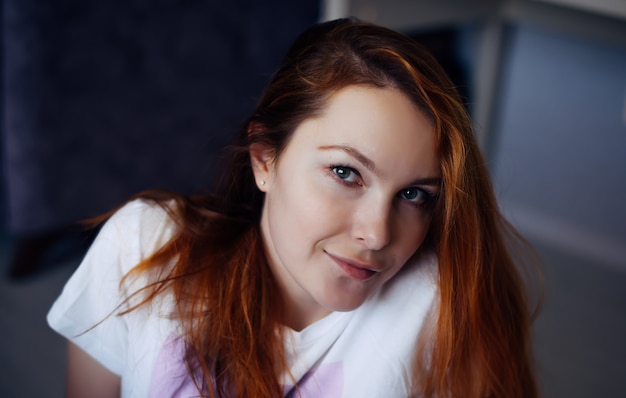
[262, 160]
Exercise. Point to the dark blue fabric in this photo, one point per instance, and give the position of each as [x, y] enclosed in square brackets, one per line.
[106, 98]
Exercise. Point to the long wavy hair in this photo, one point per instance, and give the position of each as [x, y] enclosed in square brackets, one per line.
[227, 299]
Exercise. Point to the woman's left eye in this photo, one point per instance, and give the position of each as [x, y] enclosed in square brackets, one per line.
[416, 195]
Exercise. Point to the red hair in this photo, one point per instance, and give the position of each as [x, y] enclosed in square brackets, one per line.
[227, 299]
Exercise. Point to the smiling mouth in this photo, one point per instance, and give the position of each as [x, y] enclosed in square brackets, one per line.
[354, 270]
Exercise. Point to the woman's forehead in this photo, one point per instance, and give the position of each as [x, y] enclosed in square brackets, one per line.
[380, 124]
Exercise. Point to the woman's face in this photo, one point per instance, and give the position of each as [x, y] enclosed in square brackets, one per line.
[347, 201]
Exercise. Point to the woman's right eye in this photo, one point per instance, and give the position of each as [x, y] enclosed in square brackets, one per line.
[346, 174]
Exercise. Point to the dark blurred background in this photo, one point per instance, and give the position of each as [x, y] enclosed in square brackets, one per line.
[103, 99]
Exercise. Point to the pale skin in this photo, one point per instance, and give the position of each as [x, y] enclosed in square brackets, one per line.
[86, 377]
[346, 206]
[346, 202]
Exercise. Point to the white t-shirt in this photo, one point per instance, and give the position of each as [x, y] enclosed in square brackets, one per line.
[367, 352]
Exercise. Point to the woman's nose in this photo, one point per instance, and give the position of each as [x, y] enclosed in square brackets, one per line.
[372, 224]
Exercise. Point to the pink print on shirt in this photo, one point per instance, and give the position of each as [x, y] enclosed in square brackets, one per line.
[170, 377]
[325, 381]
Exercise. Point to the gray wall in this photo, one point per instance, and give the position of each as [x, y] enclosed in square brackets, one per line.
[560, 141]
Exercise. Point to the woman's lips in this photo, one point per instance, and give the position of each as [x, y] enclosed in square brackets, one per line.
[354, 269]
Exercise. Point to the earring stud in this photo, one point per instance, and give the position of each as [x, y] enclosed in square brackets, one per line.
[262, 182]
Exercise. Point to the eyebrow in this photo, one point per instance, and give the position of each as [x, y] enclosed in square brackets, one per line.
[364, 160]
[371, 166]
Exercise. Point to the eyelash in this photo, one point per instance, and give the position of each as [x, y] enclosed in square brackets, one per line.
[429, 197]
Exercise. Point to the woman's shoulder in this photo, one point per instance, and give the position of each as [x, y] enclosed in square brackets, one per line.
[87, 310]
[130, 235]
[140, 224]
[142, 212]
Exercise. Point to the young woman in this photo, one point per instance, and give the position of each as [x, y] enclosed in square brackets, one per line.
[354, 249]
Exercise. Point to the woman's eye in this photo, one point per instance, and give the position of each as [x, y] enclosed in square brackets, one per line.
[416, 195]
[346, 174]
